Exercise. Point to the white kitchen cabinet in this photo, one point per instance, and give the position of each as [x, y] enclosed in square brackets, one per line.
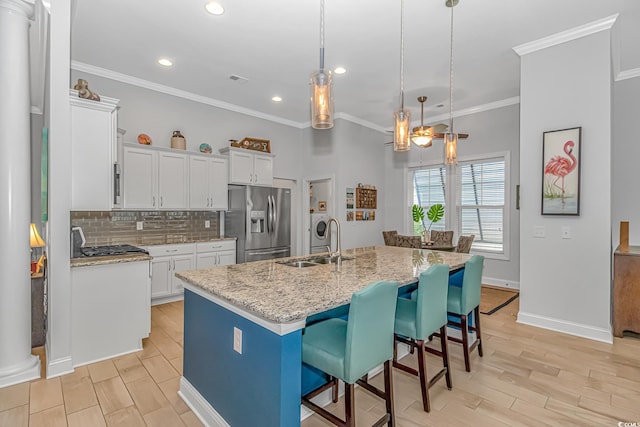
[215, 253]
[155, 179]
[93, 152]
[110, 308]
[208, 177]
[167, 260]
[247, 167]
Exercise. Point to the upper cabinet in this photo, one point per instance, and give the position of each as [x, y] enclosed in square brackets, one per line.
[93, 152]
[249, 167]
[208, 182]
[155, 179]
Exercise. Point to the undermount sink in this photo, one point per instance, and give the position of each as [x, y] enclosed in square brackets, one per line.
[326, 259]
[298, 264]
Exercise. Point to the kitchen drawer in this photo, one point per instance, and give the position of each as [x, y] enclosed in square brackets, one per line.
[170, 250]
[215, 245]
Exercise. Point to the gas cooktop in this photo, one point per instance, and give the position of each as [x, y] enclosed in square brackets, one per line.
[111, 250]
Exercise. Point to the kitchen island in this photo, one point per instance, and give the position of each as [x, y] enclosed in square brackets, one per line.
[243, 327]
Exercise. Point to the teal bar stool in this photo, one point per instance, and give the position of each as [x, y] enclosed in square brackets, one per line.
[464, 300]
[417, 319]
[348, 350]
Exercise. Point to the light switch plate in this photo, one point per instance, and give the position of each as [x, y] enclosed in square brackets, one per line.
[237, 340]
[139, 225]
[566, 232]
[538, 231]
[207, 224]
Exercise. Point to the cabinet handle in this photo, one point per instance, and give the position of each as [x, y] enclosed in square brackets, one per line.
[171, 250]
[255, 177]
[160, 201]
[154, 202]
[250, 177]
[208, 203]
[218, 260]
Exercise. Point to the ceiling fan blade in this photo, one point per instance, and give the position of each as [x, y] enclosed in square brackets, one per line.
[441, 136]
[439, 128]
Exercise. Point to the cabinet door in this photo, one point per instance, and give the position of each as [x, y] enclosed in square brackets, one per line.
[160, 278]
[181, 263]
[93, 137]
[207, 260]
[140, 176]
[218, 178]
[226, 257]
[199, 197]
[240, 168]
[262, 170]
[172, 180]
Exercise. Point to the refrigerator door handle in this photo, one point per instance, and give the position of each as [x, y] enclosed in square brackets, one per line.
[269, 214]
[274, 213]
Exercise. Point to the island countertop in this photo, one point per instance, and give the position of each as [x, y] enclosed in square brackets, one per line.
[283, 294]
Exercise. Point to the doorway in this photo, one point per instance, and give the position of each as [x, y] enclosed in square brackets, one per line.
[318, 205]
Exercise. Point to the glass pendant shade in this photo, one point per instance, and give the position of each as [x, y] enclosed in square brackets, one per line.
[450, 148]
[35, 241]
[321, 100]
[401, 130]
[422, 136]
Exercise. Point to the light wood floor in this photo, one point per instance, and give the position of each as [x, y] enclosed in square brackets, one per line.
[528, 376]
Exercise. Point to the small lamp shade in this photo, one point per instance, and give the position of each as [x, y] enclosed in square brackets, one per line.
[321, 100]
[401, 130]
[422, 136]
[35, 240]
[450, 148]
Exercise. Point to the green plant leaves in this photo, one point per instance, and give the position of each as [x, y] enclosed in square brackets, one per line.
[435, 213]
[418, 213]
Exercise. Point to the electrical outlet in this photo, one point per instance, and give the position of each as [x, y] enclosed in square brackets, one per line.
[207, 224]
[237, 340]
[139, 225]
[566, 232]
[538, 231]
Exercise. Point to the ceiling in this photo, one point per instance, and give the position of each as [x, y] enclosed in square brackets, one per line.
[275, 45]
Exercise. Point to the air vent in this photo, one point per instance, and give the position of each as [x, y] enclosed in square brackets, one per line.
[238, 79]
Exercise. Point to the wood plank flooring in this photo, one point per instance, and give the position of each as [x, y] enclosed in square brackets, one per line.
[527, 377]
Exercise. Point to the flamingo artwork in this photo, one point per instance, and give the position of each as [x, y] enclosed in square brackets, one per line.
[560, 166]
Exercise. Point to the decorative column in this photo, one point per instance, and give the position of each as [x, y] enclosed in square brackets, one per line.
[17, 364]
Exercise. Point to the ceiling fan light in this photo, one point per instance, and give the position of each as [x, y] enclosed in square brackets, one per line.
[422, 136]
[450, 148]
[402, 121]
[321, 100]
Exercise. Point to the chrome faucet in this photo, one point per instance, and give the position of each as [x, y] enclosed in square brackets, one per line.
[337, 253]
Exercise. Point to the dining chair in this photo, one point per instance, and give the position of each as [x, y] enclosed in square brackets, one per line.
[390, 237]
[462, 301]
[349, 349]
[464, 244]
[408, 241]
[441, 238]
[417, 320]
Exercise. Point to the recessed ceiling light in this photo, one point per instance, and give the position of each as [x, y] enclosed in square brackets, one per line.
[165, 62]
[214, 8]
[439, 105]
[276, 99]
[340, 70]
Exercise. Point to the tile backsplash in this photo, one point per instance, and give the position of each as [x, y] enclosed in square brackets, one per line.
[159, 227]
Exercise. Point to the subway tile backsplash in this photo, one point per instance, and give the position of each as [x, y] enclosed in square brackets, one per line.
[159, 227]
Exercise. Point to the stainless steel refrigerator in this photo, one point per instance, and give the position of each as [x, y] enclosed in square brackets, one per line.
[260, 217]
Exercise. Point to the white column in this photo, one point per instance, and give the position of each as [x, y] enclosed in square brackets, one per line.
[16, 362]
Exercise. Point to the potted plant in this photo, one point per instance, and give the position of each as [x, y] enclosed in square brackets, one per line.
[434, 214]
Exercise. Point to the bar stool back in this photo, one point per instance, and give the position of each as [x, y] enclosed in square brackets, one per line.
[348, 350]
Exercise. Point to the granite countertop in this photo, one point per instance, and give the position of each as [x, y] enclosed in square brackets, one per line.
[113, 259]
[284, 294]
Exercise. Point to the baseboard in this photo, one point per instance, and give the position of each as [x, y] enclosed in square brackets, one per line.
[566, 327]
[25, 371]
[139, 348]
[167, 299]
[499, 283]
[200, 407]
[58, 367]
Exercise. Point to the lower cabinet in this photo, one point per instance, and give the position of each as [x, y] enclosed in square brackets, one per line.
[170, 259]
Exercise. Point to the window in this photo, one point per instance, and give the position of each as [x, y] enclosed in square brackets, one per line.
[481, 203]
[478, 189]
[429, 188]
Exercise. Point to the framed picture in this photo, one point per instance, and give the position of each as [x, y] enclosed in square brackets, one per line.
[322, 206]
[255, 144]
[561, 172]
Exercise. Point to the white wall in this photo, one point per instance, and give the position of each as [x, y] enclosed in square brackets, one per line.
[565, 283]
[626, 152]
[490, 131]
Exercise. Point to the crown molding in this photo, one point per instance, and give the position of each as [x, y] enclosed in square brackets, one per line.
[565, 36]
[628, 74]
[477, 109]
[135, 81]
[358, 121]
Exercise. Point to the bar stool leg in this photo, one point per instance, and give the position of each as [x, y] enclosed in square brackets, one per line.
[445, 355]
[349, 405]
[476, 313]
[422, 371]
[465, 341]
[388, 388]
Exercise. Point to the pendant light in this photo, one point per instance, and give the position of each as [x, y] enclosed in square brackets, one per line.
[450, 137]
[402, 117]
[422, 135]
[321, 88]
